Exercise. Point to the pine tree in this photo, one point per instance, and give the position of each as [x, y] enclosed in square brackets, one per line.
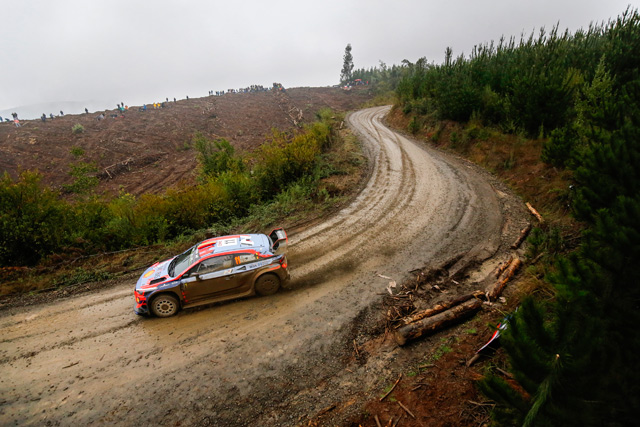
[553, 363]
[347, 66]
[577, 363]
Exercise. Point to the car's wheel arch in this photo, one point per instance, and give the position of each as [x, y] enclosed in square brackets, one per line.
[265, 275]
[157, 295]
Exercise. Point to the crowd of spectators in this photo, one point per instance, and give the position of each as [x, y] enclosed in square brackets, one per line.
[122, 108]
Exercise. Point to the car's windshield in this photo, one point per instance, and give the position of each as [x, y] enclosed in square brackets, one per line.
[182, 262]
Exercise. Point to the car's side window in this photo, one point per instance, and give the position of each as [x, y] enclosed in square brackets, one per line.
[242, 259]
[215, 264]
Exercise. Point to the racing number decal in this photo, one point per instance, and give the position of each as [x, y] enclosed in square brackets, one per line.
[227, 242]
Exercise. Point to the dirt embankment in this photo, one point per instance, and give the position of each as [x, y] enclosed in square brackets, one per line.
[282, 360]
[149, 151]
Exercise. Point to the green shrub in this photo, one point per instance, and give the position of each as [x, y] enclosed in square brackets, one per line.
[216, 157]
[77, 152]
[77, 128]
[33, 220]
[84, 178]
[285, 159]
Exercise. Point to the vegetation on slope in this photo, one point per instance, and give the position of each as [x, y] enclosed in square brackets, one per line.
[288, 177]
[572, 101]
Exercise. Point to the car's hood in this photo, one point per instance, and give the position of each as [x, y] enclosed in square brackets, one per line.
[157, 273]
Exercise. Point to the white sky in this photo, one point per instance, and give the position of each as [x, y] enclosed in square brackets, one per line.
[141, 51]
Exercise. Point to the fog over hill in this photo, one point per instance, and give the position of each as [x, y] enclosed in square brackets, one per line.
[34, 111]
[146, 51]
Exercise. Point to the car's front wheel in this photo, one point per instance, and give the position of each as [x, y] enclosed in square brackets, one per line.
[267, 284]
[164, 305]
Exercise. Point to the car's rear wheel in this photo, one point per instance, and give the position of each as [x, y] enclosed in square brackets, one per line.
[267, 284]
[164, 305]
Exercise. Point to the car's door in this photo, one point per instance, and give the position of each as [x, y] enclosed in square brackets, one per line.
[245, 265]
[209, 277]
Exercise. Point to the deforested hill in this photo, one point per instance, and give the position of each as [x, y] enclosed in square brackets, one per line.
[148, 151]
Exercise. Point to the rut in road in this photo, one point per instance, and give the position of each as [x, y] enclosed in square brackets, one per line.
[88, 359]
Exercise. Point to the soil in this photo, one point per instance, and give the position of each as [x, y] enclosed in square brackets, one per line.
[316, 353]
[141, 152]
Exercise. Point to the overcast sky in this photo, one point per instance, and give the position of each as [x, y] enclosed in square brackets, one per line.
[141, 51]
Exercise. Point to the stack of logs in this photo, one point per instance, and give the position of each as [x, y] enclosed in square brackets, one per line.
[433, 319]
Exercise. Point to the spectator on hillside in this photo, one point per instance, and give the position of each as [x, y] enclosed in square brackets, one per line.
[14, 115]
[174, 99]
[0, 119]
[51, 115]
[86, 111]
[43, 117]
[100, 117]
[61, 113]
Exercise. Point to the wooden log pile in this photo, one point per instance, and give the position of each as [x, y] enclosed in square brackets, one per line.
[438, 321]
[439, 308]
[444, 314]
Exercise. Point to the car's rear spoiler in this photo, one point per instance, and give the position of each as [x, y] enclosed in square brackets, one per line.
[280, 240]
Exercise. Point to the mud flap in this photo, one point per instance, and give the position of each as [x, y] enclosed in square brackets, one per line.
[280, 241]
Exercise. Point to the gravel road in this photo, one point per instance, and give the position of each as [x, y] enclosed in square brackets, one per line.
[270, 361]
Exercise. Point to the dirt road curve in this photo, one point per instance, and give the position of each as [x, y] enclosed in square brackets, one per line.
[271, 361]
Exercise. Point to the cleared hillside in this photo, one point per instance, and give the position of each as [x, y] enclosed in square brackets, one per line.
[149, 151]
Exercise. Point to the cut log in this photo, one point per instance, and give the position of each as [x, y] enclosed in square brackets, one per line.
[437, 309]
[523, 235]
[502, 267]
[439, 321]
[494, 291]
[534, 212]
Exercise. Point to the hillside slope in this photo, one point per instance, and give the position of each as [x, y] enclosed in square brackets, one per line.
[149, 151]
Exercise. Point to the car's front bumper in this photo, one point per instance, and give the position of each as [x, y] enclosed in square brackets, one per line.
[140, 306]
[141, 310]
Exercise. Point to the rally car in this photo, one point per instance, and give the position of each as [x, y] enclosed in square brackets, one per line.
[214, 270]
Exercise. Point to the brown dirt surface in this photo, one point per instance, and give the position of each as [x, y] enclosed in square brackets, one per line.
[149, 151]
[317, 353]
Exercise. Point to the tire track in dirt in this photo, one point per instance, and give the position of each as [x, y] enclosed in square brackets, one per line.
[257, 361]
